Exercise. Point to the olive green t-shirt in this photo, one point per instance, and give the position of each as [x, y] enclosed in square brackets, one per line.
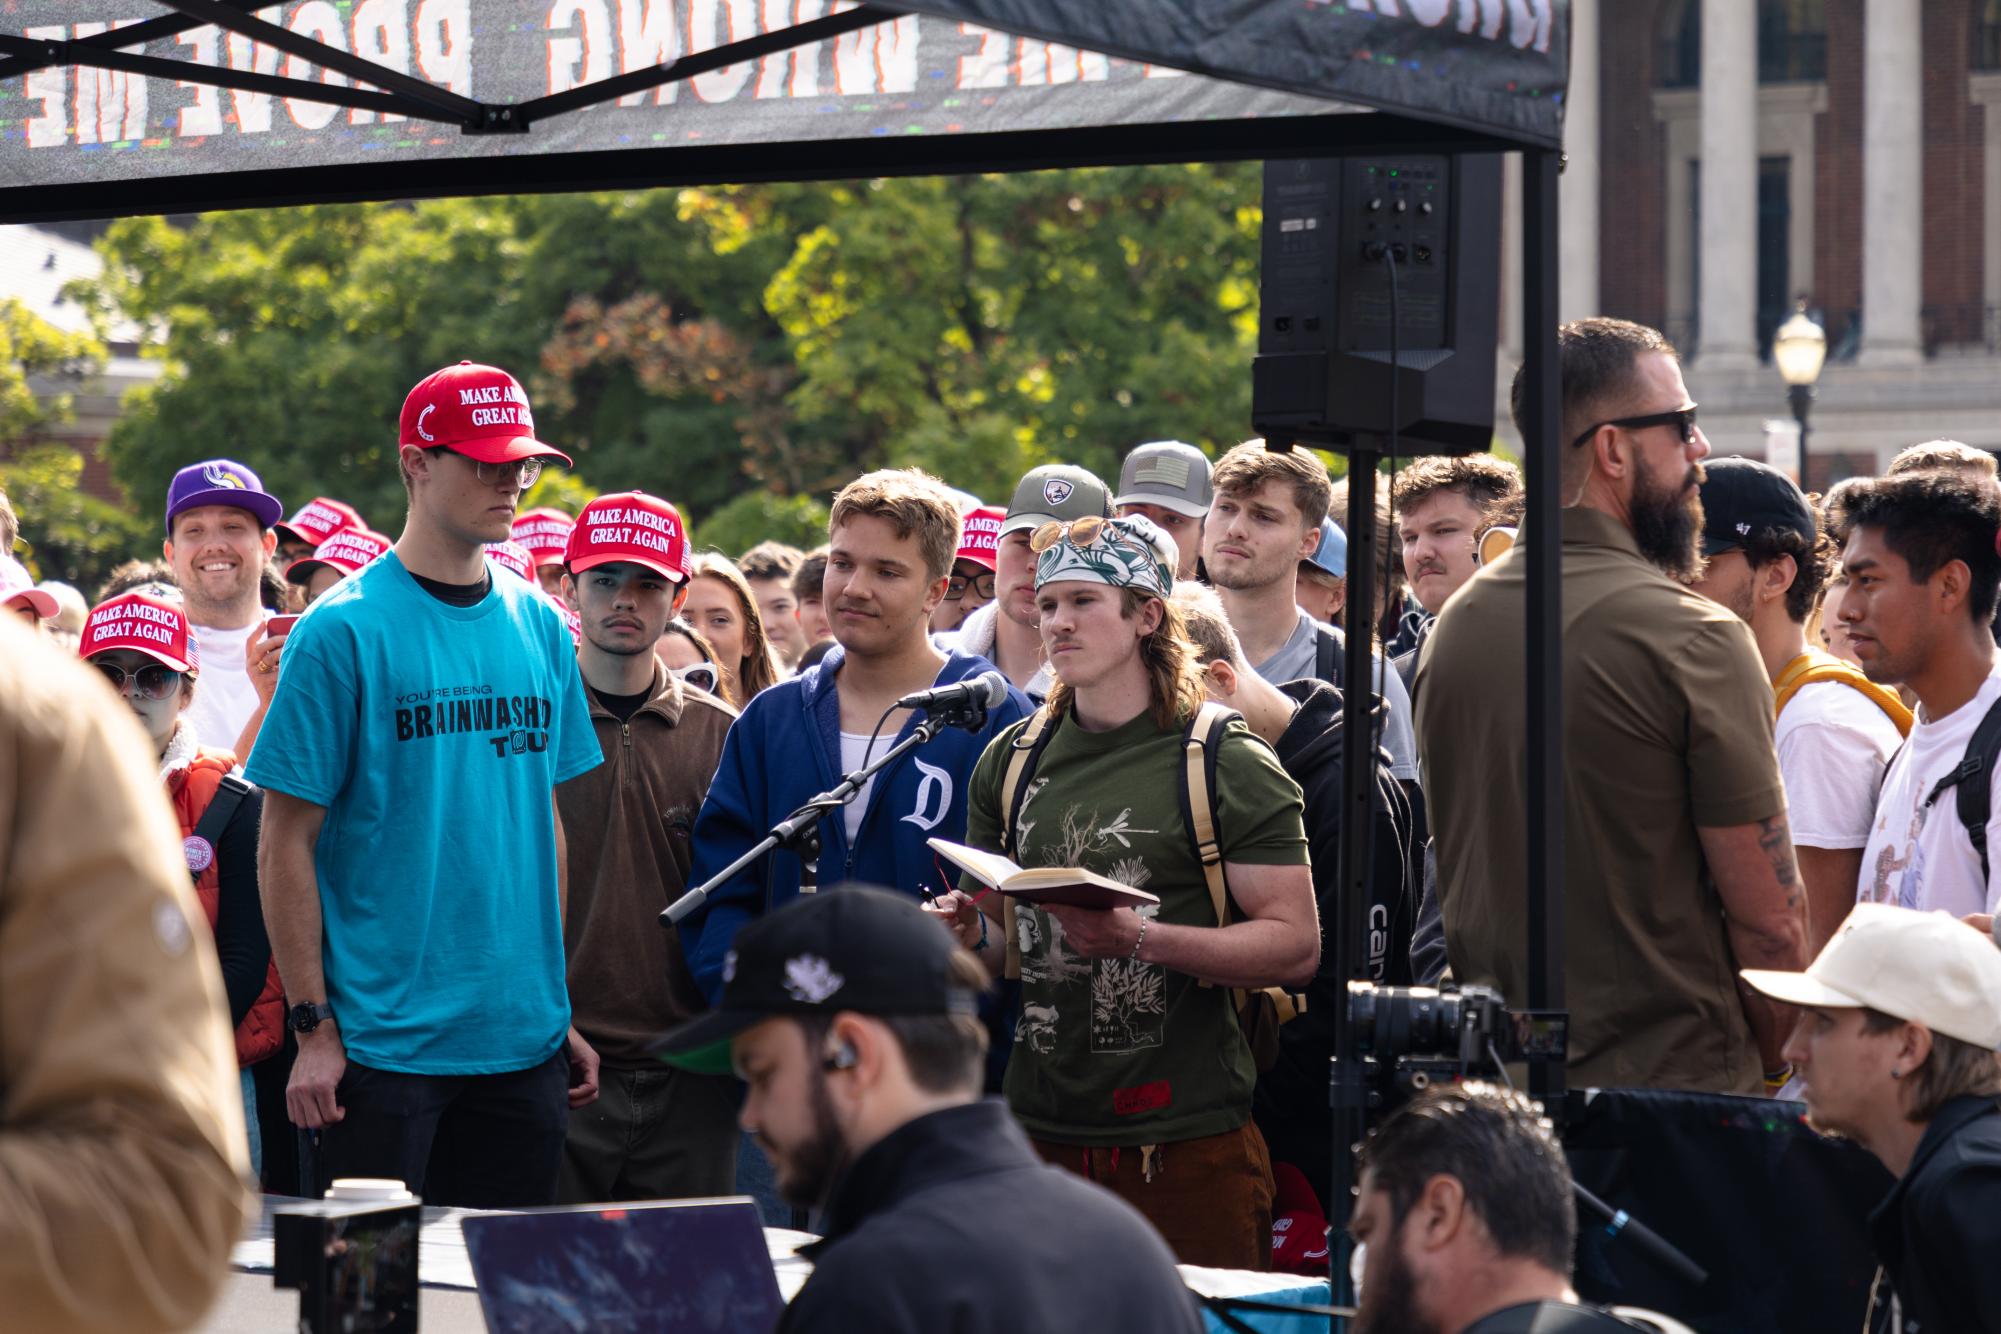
[1113, 1051]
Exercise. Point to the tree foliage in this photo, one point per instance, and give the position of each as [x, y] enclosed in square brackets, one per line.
[67, 533]
[32, 349]
[709, 344]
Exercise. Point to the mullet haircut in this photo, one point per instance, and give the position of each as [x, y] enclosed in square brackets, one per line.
[1952, 1069]
[1502, 1151]
[1595, 361]
[945, 1053]
[910, 500]
[1483, 479]
[1929, 519]
[1250, 465]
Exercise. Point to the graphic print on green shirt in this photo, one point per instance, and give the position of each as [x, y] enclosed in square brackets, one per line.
[1114, 1051]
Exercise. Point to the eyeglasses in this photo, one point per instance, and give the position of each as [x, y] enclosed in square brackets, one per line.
[983, 584]
[524, 471]
[1081, 532]
[153, 681]
[1681, 418]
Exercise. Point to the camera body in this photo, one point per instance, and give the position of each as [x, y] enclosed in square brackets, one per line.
[354, 1263]
[1409, 1038]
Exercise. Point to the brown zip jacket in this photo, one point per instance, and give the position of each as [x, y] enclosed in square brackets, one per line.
[122, 1150]
[628, 825]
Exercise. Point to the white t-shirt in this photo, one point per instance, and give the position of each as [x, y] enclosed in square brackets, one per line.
[1834, 744]
[854, 754]
[1919, 856]
[224, 697]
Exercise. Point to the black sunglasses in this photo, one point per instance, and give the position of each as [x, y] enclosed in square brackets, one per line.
[1681, 418]
[153, 681]
[982, 584]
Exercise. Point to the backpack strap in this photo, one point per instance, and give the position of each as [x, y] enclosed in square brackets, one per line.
[1024, 753]
[229, 794]
[1811, 668]
[1974, 779]
[1199, 745]
[1327, 657]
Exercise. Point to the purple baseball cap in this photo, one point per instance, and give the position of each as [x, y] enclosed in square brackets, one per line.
[221, 482]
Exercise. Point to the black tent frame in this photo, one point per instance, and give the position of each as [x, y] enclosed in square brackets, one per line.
[1333, 135]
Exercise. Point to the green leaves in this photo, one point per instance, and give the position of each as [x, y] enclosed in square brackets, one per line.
[708, 345]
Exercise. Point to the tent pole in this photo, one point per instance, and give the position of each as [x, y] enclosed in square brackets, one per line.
[1541, 416]
[118, 39]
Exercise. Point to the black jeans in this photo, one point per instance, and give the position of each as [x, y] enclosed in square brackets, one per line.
[468, 1141]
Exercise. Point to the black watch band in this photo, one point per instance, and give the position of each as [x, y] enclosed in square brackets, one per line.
[306, 1016]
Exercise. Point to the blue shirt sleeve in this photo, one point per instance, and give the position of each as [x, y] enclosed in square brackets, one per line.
[577, 749]
[306, 747]
[733, 817]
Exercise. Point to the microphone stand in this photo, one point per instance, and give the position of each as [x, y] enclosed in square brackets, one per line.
[799, 832]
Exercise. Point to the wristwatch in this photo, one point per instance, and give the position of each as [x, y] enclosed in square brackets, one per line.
[306, 1016]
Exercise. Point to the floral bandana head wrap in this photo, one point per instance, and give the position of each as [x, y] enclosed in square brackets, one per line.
[1131, 552]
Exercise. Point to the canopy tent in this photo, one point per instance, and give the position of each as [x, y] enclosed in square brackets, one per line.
[118, 106]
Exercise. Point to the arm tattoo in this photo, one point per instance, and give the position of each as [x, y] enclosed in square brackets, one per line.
[1776, 838]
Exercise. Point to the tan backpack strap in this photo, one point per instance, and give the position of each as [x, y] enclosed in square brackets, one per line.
[1202, 805]
[1021, 755]
[1812, 667]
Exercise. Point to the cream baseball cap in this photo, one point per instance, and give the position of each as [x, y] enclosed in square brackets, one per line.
[1926, 968]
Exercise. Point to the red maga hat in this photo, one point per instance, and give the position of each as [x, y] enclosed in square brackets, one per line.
[979, 536]
[545, 532]
[512, 556]
[478, 411]
[347, 551]
[147, 625]
[320, 519]
[631, 526]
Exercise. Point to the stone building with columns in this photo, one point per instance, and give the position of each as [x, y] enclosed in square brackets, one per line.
[1729, 157]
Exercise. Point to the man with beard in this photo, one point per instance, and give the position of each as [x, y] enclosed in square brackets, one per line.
[411, 860]
[1919, 553]
[220, 536]
[1679, 861]
[652, 1133]
[1836, 730]
[1465, 1218]
[852, 1020]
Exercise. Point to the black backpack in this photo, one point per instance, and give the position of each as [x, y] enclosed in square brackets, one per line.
[1973, 782]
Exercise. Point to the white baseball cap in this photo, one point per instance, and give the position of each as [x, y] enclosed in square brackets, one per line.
[1925, 968]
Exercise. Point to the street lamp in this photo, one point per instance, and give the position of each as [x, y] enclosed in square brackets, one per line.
[1800, 350]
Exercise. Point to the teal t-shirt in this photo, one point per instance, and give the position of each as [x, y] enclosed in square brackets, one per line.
[434, 736]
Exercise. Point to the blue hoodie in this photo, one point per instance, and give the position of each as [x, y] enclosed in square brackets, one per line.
[786, 749]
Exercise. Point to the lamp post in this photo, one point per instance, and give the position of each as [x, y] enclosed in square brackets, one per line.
[1799, 349]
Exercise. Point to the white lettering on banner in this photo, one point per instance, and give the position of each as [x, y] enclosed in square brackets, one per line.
[585, 58]
[110, 104]
[1530, 23]
[319, 20]
[203, 116]
[881, 59]
[713, 23]
[649, 34]
[381, 34]
[253, 110]
[444, 43]
[986, 68]
[50, 87]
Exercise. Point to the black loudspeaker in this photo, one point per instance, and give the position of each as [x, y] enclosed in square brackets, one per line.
[1323, 371]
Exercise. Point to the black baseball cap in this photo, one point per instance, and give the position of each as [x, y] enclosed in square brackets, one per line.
[854, 949]
[1742, 496]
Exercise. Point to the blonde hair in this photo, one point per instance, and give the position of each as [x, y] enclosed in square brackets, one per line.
[1933, 455]
[1174, 677]
[1208, 627]
[759, 669]
[1250, 465]
[910, 500]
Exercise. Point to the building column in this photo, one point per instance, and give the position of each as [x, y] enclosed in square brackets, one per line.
[1893, 183]
[1577, 192]
[1729, 210]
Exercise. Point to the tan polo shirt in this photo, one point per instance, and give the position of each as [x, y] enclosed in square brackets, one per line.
[1667, 726]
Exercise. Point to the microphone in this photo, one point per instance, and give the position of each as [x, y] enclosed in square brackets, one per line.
[988, 690]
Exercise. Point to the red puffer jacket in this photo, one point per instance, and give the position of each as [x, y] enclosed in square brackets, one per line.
[262, 1031]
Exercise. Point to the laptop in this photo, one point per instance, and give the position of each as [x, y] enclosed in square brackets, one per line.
[659, 1267]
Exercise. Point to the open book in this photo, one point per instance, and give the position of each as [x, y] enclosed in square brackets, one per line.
[1068, 885]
